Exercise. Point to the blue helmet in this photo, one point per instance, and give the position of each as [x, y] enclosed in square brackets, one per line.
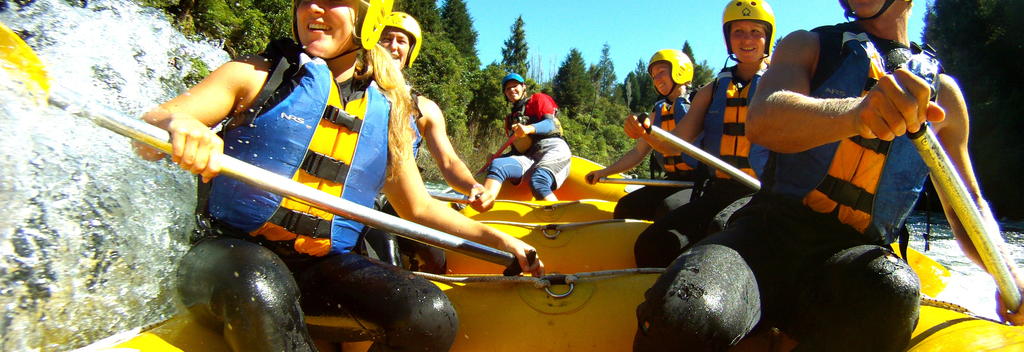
[512, 77]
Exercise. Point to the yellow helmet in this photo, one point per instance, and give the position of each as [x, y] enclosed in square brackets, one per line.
[407, 24]
[682, 67]
[751, 10]
[369, 21]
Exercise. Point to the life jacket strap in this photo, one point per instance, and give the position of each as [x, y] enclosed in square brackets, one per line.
[873, 144]
[324, 166]
[301, 223]
[736, 102]
[847, 193]
[734, 129]
[740, 162]
[870, 83]
[342, 118]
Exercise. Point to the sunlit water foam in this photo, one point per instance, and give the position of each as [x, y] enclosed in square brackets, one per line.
[90, 234]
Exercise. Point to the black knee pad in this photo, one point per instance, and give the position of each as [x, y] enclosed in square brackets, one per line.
[860, 291]
[707, 300]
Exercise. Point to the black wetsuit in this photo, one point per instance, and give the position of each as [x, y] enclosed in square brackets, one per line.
[258, 300]
[782, 265]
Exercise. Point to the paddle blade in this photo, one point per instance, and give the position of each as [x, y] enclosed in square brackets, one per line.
[22, 64]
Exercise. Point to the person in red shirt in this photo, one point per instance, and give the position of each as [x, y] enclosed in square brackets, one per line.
[539, 152]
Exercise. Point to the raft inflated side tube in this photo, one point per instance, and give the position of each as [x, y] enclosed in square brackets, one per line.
[978, 221]
[547, 212]
[566, 248]
[575, 186]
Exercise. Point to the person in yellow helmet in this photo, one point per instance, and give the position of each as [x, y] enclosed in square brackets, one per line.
[717, 116]
[328, 109]
[403, 37]
[810, 255]
[671, 72]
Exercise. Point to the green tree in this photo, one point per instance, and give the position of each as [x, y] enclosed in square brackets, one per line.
[603, 73]
[977, 44]
[642, 93]
[458, 26]
[244, 26]
[425, 12]
[702, 72]
[514, 55]
[572, 85]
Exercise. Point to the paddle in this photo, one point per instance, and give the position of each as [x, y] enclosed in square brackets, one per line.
[646, 182]
[20, 56]
[451, 197]
[496, 154]
[700, 154]
[979, 223]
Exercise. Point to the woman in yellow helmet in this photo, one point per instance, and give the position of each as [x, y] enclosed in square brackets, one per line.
[671, 72]
[330, 110]
[718, 114]
[403, 38]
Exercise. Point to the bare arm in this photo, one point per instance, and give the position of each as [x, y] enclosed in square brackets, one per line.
[688, 128]
[432, 125]
[953, 134]
[785, 119]
[627, 162]
[188, 117]
[410, 199]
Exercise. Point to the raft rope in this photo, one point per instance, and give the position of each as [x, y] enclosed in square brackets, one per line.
[552, 231]
[538, 282]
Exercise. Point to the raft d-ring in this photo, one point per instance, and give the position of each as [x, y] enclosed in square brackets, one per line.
[550, 235]
[560, 295]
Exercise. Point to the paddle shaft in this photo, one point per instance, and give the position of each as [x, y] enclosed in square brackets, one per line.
[497, 154]
[451, 197]
[704, 157]
[158, 138]
[646, 182]
[979, 223]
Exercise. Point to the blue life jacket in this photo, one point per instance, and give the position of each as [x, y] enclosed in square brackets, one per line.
[868, 184]
[314, 138]
[725, 126]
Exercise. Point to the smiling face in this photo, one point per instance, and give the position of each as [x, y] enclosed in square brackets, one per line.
[325, 27]
[747, 40]
[514, 90]
[661, 73]
[398, 44]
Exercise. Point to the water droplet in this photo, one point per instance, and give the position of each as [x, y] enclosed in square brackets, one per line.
[236, 274]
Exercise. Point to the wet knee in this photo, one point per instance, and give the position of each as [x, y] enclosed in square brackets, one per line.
[708, 297]
[426, 322]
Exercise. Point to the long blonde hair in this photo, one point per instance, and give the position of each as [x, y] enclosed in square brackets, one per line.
[378, 63]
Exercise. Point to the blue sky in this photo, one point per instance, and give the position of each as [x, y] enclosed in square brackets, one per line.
[634, 30]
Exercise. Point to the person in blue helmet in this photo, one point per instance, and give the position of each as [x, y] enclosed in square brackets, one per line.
[810, 254]
[539, 153]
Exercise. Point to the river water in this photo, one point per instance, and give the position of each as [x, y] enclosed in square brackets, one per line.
[90, 234]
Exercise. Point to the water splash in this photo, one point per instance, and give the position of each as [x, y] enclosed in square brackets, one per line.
[90, 234]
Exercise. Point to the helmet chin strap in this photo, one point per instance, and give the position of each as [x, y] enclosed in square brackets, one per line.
[346, 52]
[851, 14]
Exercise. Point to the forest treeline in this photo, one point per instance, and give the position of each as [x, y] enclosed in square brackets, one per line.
[973, 40]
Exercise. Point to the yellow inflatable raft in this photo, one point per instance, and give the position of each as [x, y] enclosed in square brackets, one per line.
[575, 186]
